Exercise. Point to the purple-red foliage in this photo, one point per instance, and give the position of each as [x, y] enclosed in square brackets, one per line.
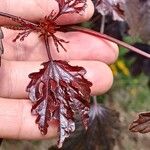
[113, 7]
[58, 91]
[142, 124]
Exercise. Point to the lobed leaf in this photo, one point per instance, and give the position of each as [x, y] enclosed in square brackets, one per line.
[142, 124]
[113, 7]
[57, 91]
[71, 6]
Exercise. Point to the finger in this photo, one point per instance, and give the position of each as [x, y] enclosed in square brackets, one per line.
[14, 77]
[36, 9]
[80, 46]
[16, 121]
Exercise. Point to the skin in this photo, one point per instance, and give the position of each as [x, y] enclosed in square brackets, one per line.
[22, 58]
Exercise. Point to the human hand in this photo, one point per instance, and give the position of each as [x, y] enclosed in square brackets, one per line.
[22, 58]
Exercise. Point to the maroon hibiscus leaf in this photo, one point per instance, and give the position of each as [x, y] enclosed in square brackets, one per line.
[57, 92]
[71, 6]
[113, 7]
[142, 124]
[1, 44]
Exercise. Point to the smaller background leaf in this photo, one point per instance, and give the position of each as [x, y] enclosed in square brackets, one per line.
[142, 124]
[114, 7]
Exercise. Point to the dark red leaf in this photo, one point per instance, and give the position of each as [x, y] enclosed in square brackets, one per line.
[142, 124]
[113, 7]
[71, 6]
[57, 92]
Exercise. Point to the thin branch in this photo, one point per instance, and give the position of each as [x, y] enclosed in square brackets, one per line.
[95, 100]
[58, 15]
[104, 36]
[14, 18]
[102, 27]
[47, 47]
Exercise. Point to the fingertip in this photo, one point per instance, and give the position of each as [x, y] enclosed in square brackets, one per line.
[104, 80]
[115, 50]
[113, 54]
[89, 11]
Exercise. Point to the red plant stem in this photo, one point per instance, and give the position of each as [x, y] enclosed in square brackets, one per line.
[16, 18]
[47, 47]
[104, 36]
[84, 30]
[58, 15]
